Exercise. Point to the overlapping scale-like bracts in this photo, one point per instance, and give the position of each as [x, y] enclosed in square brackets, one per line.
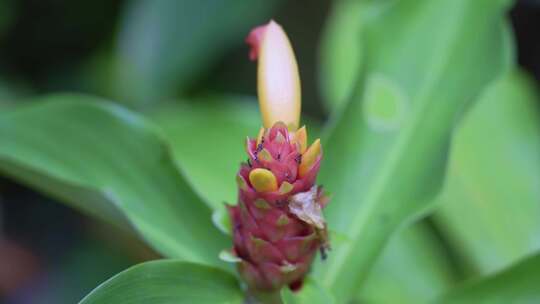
[277, 224]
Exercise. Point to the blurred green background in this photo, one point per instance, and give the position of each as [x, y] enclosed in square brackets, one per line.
[156, 55]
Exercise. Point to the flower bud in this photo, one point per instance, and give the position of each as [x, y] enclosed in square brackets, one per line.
[278, 83]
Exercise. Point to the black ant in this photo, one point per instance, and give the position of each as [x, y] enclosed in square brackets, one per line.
[322, 250]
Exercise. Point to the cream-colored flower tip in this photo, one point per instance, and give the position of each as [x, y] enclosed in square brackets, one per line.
[278, 79]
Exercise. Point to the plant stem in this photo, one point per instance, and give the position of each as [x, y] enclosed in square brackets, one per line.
[258, 297]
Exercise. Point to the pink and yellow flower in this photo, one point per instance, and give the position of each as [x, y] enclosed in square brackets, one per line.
[278, 225]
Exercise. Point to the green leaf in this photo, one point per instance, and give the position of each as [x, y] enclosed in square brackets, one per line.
[311, 293]
[89, 152]
[411, 269]
[164, 45]
[386, 154]
[516, 284]
[490, 206]
[207, 138]
[341, 50]
[167, 281]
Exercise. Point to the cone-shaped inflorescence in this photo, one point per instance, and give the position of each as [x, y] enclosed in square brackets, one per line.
[278, 225]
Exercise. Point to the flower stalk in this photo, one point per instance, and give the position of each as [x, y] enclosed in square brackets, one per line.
[262, 297]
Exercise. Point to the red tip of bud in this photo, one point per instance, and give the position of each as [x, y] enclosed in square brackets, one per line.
[254, 40]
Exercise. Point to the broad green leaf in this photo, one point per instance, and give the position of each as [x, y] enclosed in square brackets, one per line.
[164, 45]
[490, 206]
[168, 281]
[89, 152]
[517, 284]
[340, 49]
[403, 273]
[207, 138]
[386, 154]
[411, 269]
[311, 293]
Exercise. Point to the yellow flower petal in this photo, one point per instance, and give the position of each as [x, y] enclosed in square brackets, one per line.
[285, 187]
[265, 156]
[263, 180]
[309, 157]
[300, 138]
